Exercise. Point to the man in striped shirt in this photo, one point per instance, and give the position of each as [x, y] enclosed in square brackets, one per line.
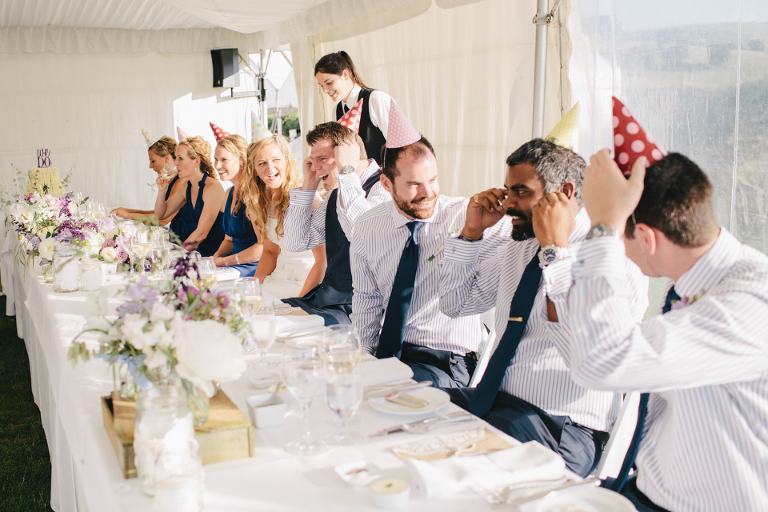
[536, 399]
[704, 443]
[436, 347]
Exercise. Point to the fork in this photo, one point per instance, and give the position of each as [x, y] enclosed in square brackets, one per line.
[504, 494]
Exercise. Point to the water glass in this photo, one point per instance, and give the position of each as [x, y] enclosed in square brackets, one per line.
[303, 375]
[249, 291]
[341, 348]
[344, 394]
[142, 245]
[262, 322]
[207, 269]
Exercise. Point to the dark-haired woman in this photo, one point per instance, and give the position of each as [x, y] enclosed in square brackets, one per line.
[338, 78]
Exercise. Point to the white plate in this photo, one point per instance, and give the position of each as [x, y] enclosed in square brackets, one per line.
[586, 499]
[436, 398]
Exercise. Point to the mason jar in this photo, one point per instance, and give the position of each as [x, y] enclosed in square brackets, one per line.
[66, 268]
[162, 417]
[90, 275]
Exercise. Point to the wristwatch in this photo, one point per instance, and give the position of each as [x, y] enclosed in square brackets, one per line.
[599, 230]
[348, 169]
[552, 253]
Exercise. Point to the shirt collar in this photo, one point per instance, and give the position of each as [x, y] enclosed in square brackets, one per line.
[401, 220]
[353, 96]
[370, 170]
[580, 228]
[711, 267]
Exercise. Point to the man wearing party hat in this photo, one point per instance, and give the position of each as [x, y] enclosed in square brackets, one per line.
[527, 390]
[338, 160]
[396, 254]
[700, 442]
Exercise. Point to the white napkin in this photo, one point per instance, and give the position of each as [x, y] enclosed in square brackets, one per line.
[227, 274]
[527, 462]
[383, 371]
[290, 324]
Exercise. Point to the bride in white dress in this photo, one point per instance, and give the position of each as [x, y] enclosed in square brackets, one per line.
[282, 273]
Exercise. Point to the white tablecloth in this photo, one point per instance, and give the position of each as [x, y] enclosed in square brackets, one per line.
[85, 471]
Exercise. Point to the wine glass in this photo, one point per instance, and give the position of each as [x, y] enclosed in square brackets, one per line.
[262, 322]
[249, 291]
[303, 375]
[142, 245]
[99, 211]
[161, 256]
[207, 269]
[169, 171]
[344, 394]
[341, 348]
[128, 230]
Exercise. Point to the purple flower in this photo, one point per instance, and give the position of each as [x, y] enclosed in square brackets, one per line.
[121, 254]
[108, 243]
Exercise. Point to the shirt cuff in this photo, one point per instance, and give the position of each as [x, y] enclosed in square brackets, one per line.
[301, 198]
[351, 180]
[461, 251]
[600, 256]
[558, 278]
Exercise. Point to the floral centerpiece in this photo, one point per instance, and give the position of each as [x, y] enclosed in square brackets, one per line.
[171, 329]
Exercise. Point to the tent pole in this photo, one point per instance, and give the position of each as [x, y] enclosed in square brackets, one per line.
[263, 74]
[541, 20]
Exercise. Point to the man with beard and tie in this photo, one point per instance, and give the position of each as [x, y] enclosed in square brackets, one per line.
[527, 390]
[396, 253]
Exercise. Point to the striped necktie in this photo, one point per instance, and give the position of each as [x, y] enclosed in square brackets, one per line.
[519, 311]
[642, 411]
[391, 337]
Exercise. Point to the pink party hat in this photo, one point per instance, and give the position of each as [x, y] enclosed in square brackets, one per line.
[258, 130]
[400, 132]
[630, 141]
[218, 132]
[182, 134]
[352, 118]
[150, 140]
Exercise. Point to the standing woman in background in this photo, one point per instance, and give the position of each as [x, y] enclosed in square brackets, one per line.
[162, 156]
[200, 200]
[336, 75]
[240, 249]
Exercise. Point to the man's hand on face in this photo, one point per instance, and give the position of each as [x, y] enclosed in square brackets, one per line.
[485, 209]
[346, 153]
[609, 197]
[553, 220]
[311, 179]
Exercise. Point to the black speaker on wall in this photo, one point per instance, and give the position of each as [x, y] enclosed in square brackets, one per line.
[225, 67]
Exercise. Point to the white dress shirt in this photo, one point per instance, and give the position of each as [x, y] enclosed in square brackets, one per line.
[378, 107]
[705, 441]
[477, 277]
[305, 227]
[377, 245]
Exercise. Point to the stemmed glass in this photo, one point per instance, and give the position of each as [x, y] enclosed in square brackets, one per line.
[207, 269]
[249, 289]
[341, 348]
[262, 322]
[99, 211]
[128, 229]
[161, 256]
[344, 393]
[303, 375]
[142, 245]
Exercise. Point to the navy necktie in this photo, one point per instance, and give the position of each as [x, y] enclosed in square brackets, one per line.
[519, 311]
[391, 338]
[642, 411]
[346, 108]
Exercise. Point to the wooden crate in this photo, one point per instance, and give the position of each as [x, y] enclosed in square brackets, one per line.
[227, 435]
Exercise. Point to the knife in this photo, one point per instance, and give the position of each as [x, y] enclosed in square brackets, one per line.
[396, 390]
[554, 490]
[432, 420]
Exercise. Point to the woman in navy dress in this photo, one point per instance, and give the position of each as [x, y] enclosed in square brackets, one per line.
[200, 201]
[240, 249]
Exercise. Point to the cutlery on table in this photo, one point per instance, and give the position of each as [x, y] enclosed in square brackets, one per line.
[425, 425]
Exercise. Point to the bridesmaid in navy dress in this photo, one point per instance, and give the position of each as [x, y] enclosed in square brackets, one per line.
[200, 201]
[241, 248]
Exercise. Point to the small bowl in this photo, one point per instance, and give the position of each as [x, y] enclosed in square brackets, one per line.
[266, 416]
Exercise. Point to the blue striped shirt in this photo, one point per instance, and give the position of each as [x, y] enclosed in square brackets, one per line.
[477, 277]
[705, 443]
[377, 244]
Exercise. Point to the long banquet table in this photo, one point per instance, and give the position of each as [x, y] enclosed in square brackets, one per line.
[85, 472]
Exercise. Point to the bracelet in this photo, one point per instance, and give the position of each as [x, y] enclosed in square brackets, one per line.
[467, 239]
[237, 261]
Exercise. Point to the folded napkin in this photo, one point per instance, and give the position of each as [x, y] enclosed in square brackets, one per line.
[286, 325]
[384, 371]
[227, 274]
[525, 463]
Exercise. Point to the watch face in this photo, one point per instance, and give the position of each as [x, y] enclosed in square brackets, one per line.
[549, 255]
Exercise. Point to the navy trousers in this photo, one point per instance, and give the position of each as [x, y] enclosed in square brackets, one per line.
[445, 369]
[580, 448]
[641, 502]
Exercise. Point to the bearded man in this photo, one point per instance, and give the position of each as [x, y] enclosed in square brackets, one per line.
[396, 252]
[527, 389]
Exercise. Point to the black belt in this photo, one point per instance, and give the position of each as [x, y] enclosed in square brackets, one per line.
[442, 359]
[601, 436]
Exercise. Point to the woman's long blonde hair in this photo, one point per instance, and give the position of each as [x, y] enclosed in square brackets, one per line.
[198, 147]
[238, 146]
[258, 198]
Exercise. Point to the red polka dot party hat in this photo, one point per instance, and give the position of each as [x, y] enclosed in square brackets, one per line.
[218, 132]
[352, 118]
[630, 141]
